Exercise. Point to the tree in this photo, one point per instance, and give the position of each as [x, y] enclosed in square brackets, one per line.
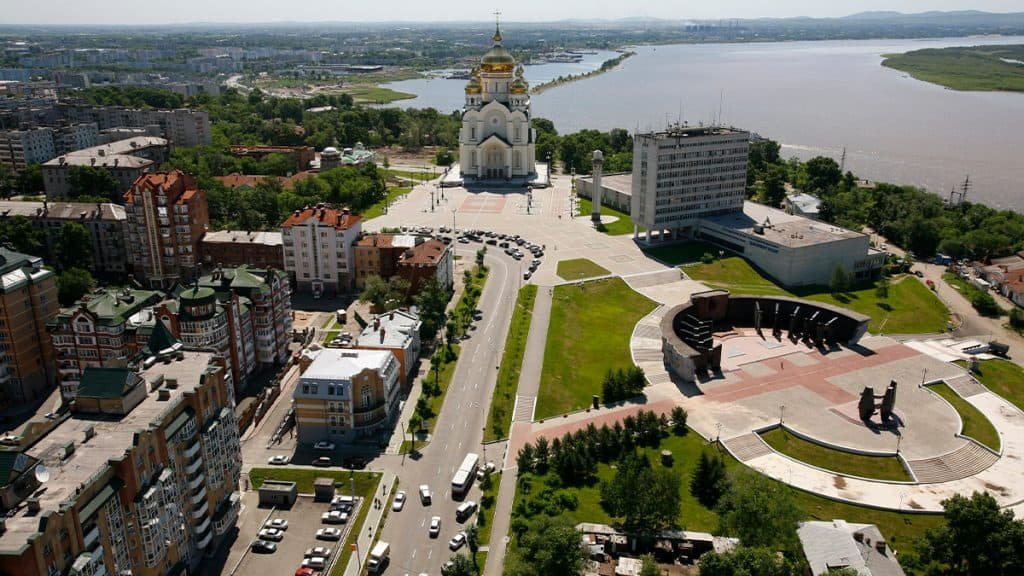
[473, 540]
[30, 180]
[821, 174]
[678, 421]
[709, 479]
[524, 459]
[882, 287]
[74, 246]
[978, 538]
[72, 284]
[840, 281]
[985, 304]
[759, 511]
[431, 300]
[385, 295]
[746, 561]
[93, 183]
[460, 565]
[548, 546]
[774, 186]
[22, 235]
[647, 499]
[444, 157]
[648, 567]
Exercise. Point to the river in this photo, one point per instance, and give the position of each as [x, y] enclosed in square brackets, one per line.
[813, 97]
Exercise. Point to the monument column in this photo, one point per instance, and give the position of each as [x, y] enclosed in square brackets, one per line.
[595, 195]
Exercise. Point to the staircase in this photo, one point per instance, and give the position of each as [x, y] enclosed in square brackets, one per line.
[963, 462]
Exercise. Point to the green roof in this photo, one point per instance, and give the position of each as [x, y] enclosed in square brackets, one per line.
[160, 339]
[113, 306]
[242, 279]
[198, 293]
[105, 382]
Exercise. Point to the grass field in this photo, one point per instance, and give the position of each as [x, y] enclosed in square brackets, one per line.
[376, 94]
[503, 400]
[377, 209]
[902, 531]
[1004, 378]
[878, 467]
[345, 553]
[411, 175]
[443, 377]
[911, 308]
[485, 513]
[588, 335]
[621, 226]
[965, 67]
[683, 253]
[580, 269]
[975, 424]
[304, 477]
[969, 291]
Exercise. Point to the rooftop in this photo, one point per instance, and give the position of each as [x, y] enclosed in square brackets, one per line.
[339, 219]
[382, 240]
[113, 306]
[685, 131]
[63, 210]
[838, 544]
[621, 182]
[427, 253]
[341, 364]
[118, 153]
[17, 269]
[777, 227]
[245, 237]
[173, 182]
[112, 439]
[391, 330]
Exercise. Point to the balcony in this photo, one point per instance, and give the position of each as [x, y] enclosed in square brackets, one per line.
[199, 496]
[191, 469]
[368, 409]
[196, 482]
[203, 526]
[205, 541]
[201, 511]
[92, 536]
[191, 451]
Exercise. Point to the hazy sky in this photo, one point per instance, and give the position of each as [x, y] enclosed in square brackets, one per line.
[177, 11]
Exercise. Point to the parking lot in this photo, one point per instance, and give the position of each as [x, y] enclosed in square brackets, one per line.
[303, 522]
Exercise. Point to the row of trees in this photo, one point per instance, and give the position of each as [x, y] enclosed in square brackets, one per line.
[575, 151]
[622, 384]
[71, 253]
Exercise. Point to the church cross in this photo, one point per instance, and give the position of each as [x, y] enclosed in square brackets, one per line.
[497, 17]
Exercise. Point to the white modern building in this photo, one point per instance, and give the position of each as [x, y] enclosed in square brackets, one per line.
[687, 173]
[496, 141]
[318, 252]
[346, 394]
[399, 332]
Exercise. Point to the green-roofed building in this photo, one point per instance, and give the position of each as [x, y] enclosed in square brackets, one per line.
[109, 391]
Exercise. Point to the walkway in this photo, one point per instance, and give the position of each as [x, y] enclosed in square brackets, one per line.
[372, 523]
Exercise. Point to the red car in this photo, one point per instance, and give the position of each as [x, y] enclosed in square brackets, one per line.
[307, 571]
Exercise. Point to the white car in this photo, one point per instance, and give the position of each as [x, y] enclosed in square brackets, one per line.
[272, 534]
[457, 541]
[328, 534]
[435, 526]
[279, 523]
[316, 562]
[334, 517]
[323, 445]
[278, 460]
[318, 551]
[424, 494]
[399, 501]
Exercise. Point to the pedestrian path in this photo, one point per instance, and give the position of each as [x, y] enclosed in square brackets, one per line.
[656, 278]
[747, 447]
[371, 526]
[524, 408]
[966, 385]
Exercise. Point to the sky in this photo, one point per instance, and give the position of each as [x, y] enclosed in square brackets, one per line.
[246, 11]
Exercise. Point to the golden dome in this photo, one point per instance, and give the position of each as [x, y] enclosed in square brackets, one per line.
[497, 59]
[519, 86]
[473, 86]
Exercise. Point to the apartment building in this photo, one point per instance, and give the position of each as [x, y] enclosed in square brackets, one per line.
[430, 259]
[21, 148]
[242, 247]
[167, 217]
[377, 254]
[126, 160]
[106, 223]
[224, 325]
[181, 127]
[346, 394]
[687, 173]
[399, 332]
[318, 251]
[139, 478]
[28, 300]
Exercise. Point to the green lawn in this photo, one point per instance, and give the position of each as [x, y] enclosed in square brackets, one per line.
[485, 514]
[376, 94]
[443, 377]
[588, 335]
[1004, 378]
[878, 467]
[304, 477]
[346, 551]
[580, 269]
[964, 67]
[377, 209]
[682, 253]
[503, 400]
[412, 175]
[621, 226]
[975, 424]
[910, 308]
[969, 291]
[902, 531]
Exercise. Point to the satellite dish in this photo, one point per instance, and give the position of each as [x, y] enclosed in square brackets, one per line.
[42, 474]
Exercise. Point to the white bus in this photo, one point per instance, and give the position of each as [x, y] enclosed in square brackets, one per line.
[464, 476]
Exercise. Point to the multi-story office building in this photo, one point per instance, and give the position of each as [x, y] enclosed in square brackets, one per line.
[126, 160]
[106, 223]
[101, 326]
[399, 332]
[167, 217]
[140, 478]
[687, 173]
[318, 252]
[346, 394]
[242, 247]
[28, 300]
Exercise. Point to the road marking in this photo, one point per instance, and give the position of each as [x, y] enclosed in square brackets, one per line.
[413, 553]
[429, 554]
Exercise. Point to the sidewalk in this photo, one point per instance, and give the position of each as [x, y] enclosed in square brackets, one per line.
[501, 519]
[365, 540]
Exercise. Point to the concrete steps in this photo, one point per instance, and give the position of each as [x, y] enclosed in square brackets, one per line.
[747, 447]
[966, 386]
[965, 461]
[656, 278]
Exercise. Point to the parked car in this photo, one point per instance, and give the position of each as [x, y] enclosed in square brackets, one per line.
[343, 502]
[328, 534]
[435, 526]
[272, 534]
[279, 460]
[399, 502]
[481, 471]
[315, 562]
[457, 541]
[279, 523]
[355, 462]
[318, 551]
[425, 494]
[323, 445]
[263, 546]
[322, 461]
[306, 571]
[334, 517]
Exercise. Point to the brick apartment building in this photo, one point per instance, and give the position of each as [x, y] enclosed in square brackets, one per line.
[241, 247]
[318, 251]
[28, 300]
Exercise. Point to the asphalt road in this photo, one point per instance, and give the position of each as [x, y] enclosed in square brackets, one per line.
[458, 431]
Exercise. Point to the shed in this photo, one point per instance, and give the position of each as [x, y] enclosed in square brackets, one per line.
[323, 489]
[278, 493]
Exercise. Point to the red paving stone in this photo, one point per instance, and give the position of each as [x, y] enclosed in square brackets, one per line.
[813, 377]
[482, 205]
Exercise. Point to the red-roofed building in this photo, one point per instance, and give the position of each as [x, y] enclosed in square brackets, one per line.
[318, 249]
[301, 155]
[237, 181]
[167, 217]
[429, 259]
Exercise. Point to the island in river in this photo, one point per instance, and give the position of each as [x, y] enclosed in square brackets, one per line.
[986, 68]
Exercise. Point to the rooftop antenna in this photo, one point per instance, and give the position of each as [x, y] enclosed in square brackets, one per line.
[965, 188]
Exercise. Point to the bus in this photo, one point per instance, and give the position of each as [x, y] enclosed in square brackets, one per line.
[464, 476]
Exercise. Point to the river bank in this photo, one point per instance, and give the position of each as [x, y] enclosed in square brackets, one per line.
[607, 66]
[986, 68]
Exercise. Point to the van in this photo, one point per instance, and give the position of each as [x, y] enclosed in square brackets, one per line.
[465, 510]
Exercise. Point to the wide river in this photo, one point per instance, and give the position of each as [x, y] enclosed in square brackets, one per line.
[813, 97]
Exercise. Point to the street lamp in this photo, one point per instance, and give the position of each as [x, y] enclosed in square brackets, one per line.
[782, 413]
[454, 210]
[718, 434]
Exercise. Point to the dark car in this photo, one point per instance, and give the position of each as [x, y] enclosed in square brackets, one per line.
[263, 546]
[322, 461]
[355, 462]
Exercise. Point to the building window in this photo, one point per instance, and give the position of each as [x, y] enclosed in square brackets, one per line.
[367, 397]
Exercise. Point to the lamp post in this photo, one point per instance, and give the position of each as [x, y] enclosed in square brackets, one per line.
[454, 210]
[899, 508]
[718, 433]
[782, 413]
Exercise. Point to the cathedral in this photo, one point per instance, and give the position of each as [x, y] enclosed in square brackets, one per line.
[496, 141]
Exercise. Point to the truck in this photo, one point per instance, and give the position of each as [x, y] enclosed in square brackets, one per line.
[378, 558]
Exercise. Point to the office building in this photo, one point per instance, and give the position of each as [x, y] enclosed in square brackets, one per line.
[28, 300]
[399, 332]
[106, 223]
[126, 160]
[318, 251]
[139, 478]
[687, 173]
[167, 217]
[346, 394]
[229, 248]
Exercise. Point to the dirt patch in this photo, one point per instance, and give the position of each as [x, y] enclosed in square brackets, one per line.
[839, 482]
[914, 505]
[996, 488]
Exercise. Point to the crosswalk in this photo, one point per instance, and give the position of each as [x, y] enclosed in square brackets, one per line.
[524, 408]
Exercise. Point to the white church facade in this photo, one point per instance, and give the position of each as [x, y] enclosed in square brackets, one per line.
[496, 141]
